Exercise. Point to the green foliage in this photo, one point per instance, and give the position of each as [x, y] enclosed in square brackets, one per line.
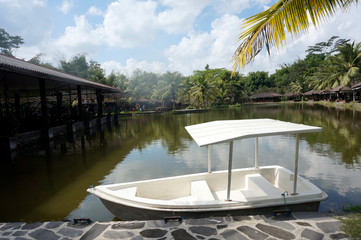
[96, 73]
[352, 225]
[37, 60]
[167, 87]
[8, 42]
[342, 68]
[352, 208]
[77, 66]
[257, 80]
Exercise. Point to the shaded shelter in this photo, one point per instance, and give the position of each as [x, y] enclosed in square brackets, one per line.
[356, 92]
[294, 96]
[314, 95]
[266, 97]
[34, 97]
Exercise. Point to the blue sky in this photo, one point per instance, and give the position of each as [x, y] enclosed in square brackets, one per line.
[154, 35]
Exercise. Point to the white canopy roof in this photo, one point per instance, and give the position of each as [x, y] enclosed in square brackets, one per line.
[223, 131]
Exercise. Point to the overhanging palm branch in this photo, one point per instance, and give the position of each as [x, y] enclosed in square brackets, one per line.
[268, 28]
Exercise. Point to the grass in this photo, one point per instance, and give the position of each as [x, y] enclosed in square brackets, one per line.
[351, 225]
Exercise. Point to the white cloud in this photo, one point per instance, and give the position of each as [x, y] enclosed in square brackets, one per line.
[231, 6]
[81, 38]
[20, 3]
[28, 19]
[199, 49]
[132, 65]
[129, 23]
[180, 15]
[94, 11]
[66, 6]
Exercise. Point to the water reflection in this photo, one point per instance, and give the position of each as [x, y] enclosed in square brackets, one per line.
[52, 186]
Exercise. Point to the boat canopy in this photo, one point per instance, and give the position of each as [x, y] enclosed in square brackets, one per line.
[206, 134]
[228, 130]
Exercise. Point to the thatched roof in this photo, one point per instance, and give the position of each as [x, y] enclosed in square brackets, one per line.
[293, 94]
[356, 86]
[313, 92]
[266, 95]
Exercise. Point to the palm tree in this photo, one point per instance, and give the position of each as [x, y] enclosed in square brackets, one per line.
[203, 86]
[349, 62]
[340, 69]
[269, 27]
[185, 90]
[168, 87]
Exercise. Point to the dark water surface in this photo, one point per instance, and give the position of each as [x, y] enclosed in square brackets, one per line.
[44, 187]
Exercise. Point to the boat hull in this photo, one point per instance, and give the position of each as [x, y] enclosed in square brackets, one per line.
[123, 212]
[254, 191]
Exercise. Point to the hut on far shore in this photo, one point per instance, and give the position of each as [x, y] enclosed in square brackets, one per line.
[356, 89]
[266, 97]
[294, 96]
[341, 93]
[314, 95]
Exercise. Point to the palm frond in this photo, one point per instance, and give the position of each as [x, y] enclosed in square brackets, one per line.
[268, 28]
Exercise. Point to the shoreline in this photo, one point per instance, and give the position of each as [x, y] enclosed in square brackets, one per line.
[305, 225]
[354, 106]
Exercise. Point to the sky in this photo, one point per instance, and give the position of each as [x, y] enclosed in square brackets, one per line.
[155, 35]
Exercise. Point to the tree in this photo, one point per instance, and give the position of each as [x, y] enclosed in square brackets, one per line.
[8, 42]
[142, 84]
[269, 27]
[77, 66]
[96, 73]
[230, 88]
[117, 80]
[203, 86]
[257, 80]
[37, 60]
[185, 90]
[168, 87]
[343, 68]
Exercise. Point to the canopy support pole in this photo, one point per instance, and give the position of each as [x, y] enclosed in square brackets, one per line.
[256, 154]
[229, 171]
[209, 159]
[296, 165]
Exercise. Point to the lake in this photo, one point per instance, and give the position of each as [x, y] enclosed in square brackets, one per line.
[43, 186]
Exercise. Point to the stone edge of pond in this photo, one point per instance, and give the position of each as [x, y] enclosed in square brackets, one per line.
[303, 225]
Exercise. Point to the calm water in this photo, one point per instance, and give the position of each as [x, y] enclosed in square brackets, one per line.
[43, 187]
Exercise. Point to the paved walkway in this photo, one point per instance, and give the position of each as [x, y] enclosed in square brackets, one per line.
[298, 226]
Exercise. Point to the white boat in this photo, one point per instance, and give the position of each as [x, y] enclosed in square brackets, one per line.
[234, 191]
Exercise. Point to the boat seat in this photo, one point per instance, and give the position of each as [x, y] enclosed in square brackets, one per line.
[258, 184]
[200, 191]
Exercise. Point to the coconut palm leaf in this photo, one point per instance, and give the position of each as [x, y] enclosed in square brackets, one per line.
[268, 28]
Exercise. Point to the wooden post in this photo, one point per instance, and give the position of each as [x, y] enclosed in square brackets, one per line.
[296, 165]
[17, 105]
[59, 102]
[229, 171]
[80, 103]
[44, 107]
[100, 103]
[6, 96]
